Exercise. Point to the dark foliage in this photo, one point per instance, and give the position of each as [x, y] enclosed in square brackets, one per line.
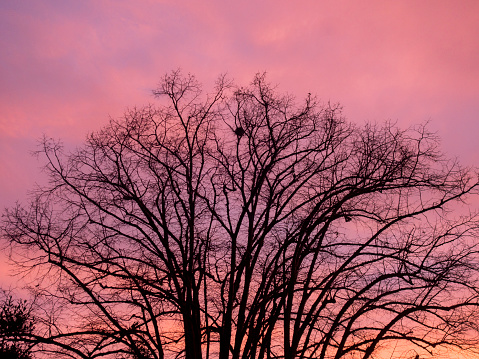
[16, 326]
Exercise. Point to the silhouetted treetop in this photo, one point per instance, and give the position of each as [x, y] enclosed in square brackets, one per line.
[16, 327]
[246, 224]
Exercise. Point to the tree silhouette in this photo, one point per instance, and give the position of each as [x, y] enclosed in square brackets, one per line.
[242, 224]
[16, 326]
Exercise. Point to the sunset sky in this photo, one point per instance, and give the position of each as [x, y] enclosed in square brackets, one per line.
[66, 66]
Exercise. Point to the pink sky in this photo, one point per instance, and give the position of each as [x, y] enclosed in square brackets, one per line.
[66, 65]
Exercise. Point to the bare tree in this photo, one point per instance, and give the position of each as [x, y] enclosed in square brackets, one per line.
[242, 224]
